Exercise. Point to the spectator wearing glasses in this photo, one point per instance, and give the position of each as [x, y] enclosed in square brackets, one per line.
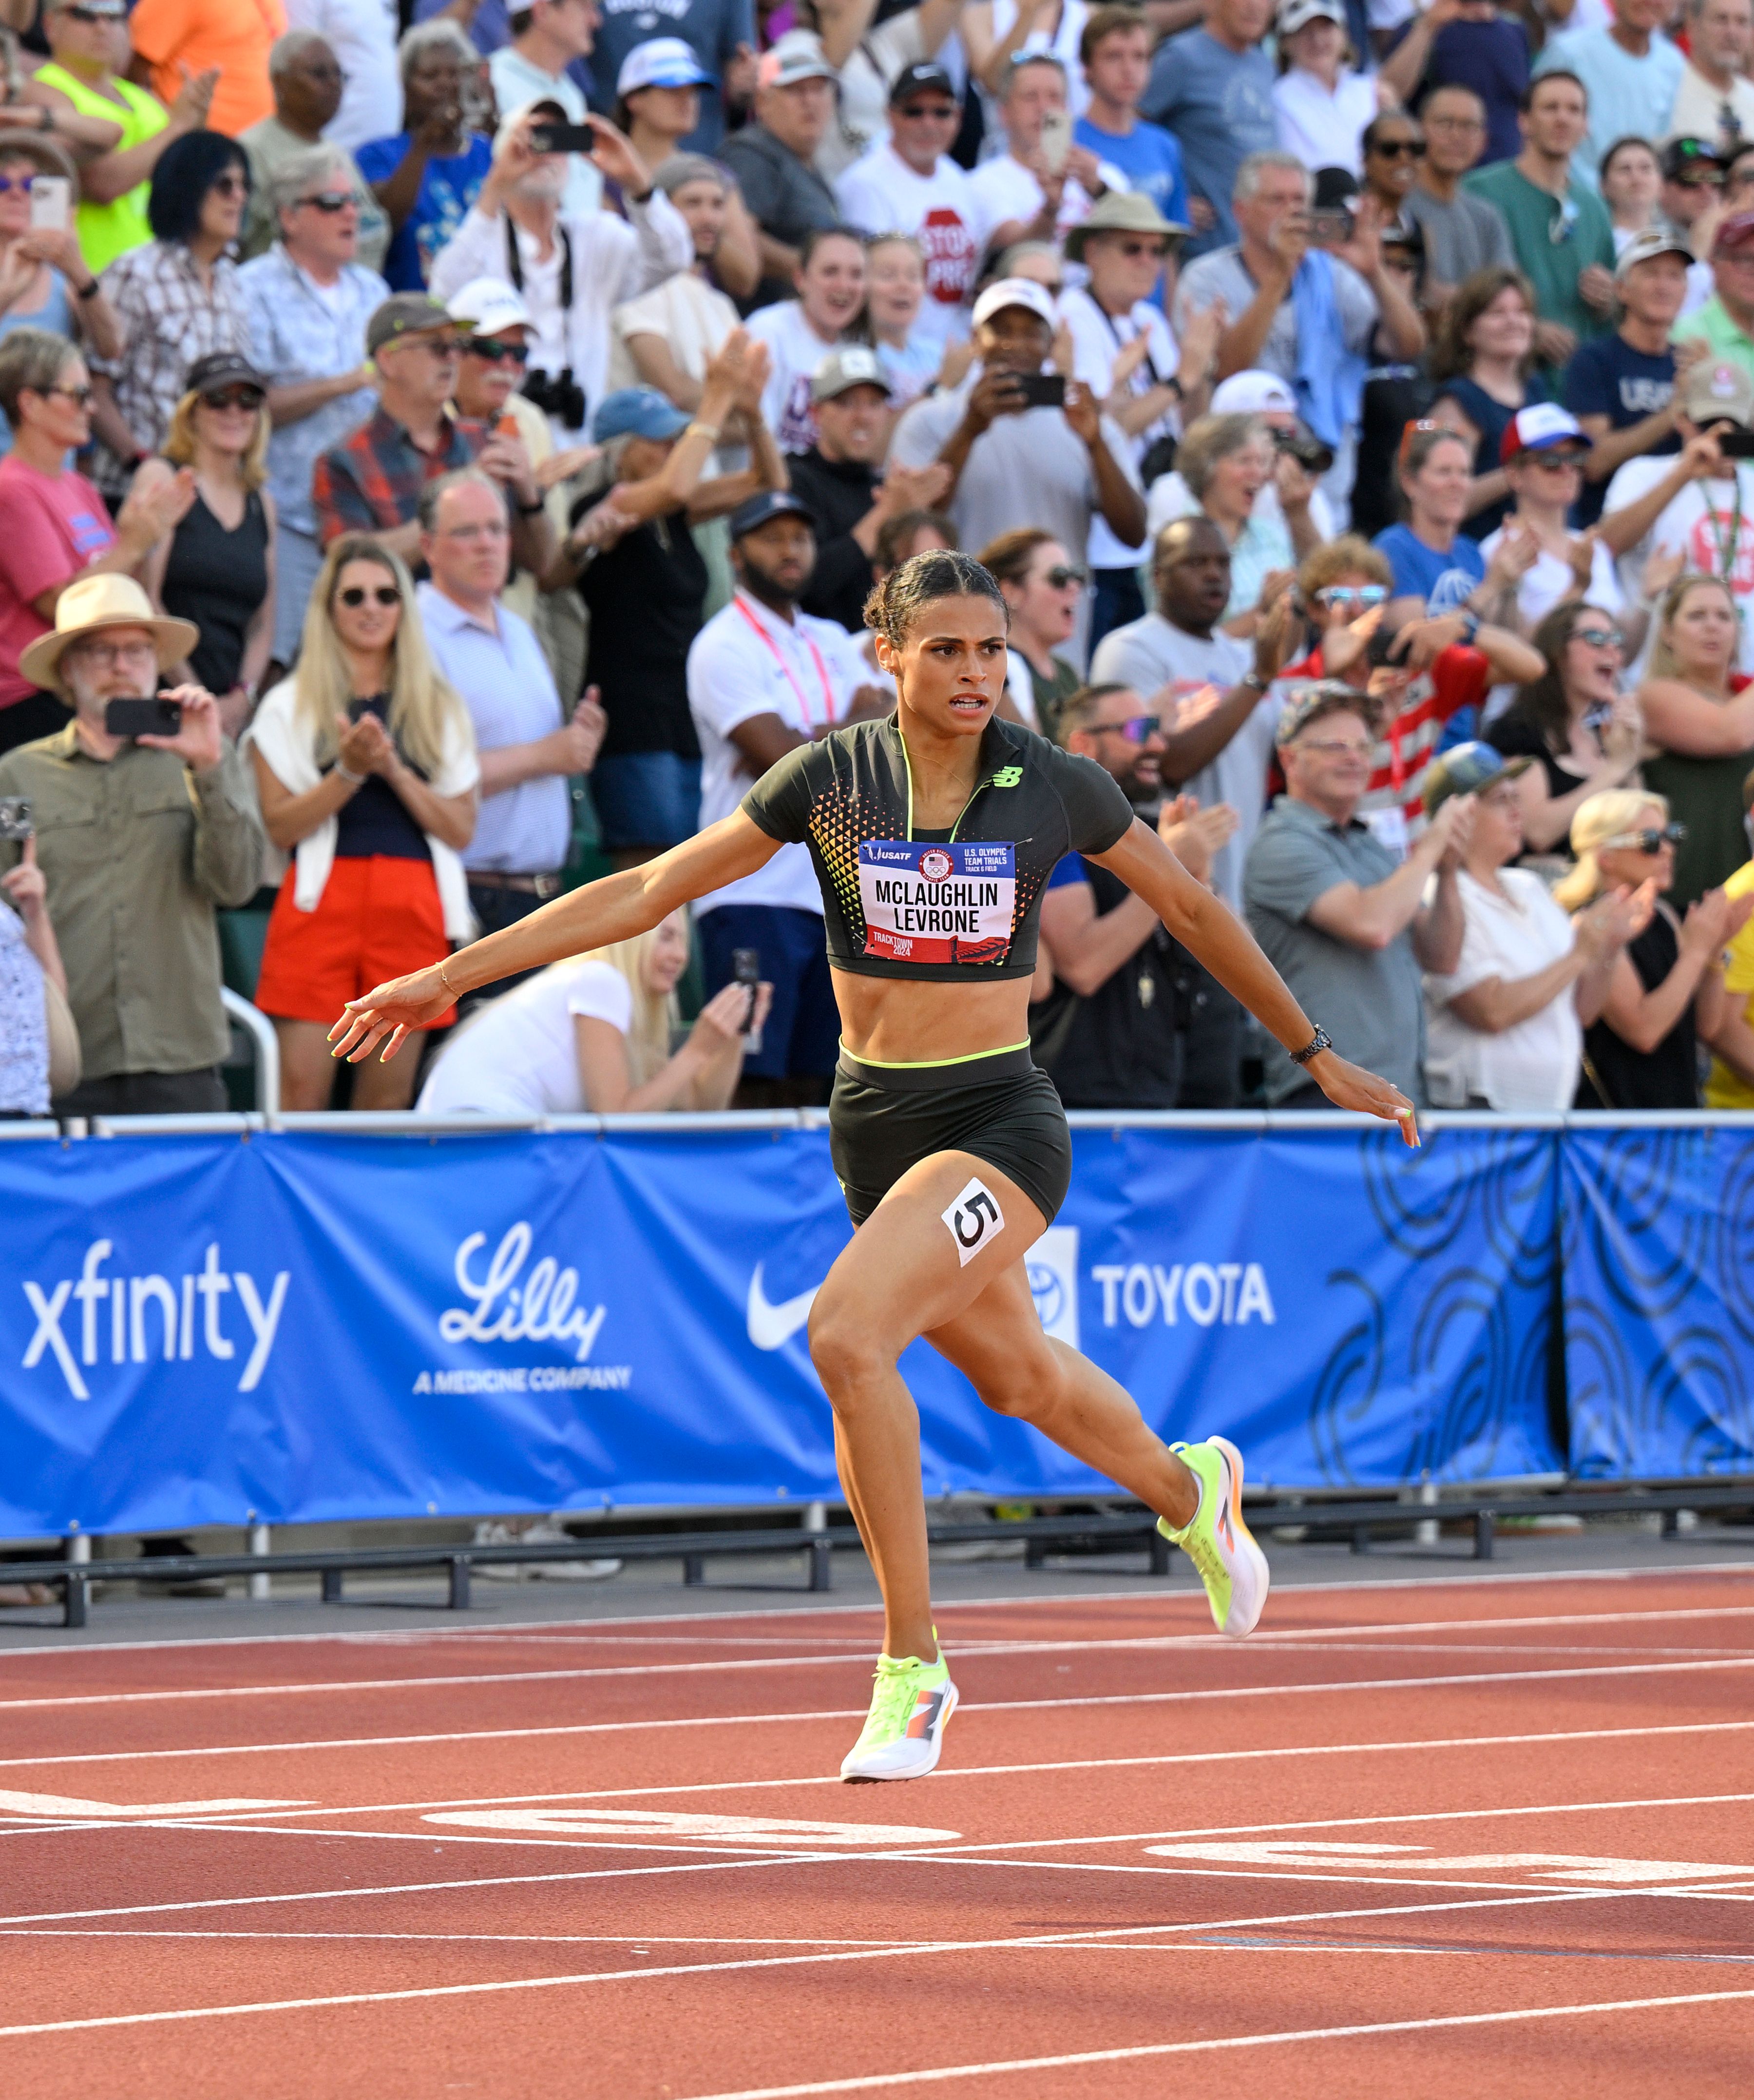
[44, 279]
[365, 767]
[1484, 365]
[841, 479]
[1558, 226]
[1698, 712]
[1506, 1017]
[306, 78]
[362, 33]
[1666, 992]
[910, 185]
[87, 100]
[1714, 101]
[1621, 388]
[178, 39]
[216, 571]
[426, 175]
[1467, 44]
[1580, 732]
[1462, 233]
[1322, 104]
[54, 528]
[308, 302]
[1213, 695]
[1630, 71]
[174, 300]
[1631, 179]
[1725, 324]
[1346, 923]
[370, 481]
[1042, 591]
[1131, 1020]
[1394, 147]
[140, 839]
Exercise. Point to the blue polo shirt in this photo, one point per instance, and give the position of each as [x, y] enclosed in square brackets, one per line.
[1148, 157]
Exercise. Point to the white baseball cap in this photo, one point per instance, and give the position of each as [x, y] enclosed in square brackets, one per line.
[489, 305]
[1016, 292]
[661, 62]
[1254, 393]
[1293, 14]
[796, 56]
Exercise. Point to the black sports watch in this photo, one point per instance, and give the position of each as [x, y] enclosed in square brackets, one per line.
[1320, 1041]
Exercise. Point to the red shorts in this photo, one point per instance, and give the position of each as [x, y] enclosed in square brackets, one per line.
[376, 919]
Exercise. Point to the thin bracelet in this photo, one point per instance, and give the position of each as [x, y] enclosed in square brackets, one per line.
[710, 431]
[352, 779]
[445, 981]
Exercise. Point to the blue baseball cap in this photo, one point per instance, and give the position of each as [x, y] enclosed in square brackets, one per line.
[661, 62]
[1464, 768]
[636, 411]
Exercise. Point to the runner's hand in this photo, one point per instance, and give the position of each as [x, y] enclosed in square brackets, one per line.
[389, 1010]
[1351, 1086]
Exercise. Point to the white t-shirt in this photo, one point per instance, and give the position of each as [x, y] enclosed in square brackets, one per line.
[1542, 586]
[747, 661]
[1711, 522]
[1007, 191]
[796, 350]
[1323, 129]
[518, 1056]
[1097, 340]
[1534, 1065]
[362, 33]
[881, 194]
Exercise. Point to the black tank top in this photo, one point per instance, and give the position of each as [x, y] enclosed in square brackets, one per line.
[218, 579]
[1665, 1078]
[1124, 1045]
[646, 595]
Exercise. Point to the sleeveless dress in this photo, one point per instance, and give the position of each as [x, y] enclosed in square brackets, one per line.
[217, 579]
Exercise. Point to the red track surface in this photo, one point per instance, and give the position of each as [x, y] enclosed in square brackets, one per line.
[1554, 1778]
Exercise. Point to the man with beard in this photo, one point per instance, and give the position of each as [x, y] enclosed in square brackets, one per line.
[1132, 1022]
[763, 678]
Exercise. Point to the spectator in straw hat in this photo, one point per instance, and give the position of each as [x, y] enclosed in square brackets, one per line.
[177, 825]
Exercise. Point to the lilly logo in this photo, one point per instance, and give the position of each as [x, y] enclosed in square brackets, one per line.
[539, 1309]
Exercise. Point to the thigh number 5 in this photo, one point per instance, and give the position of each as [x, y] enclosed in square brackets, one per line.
[974, 1218]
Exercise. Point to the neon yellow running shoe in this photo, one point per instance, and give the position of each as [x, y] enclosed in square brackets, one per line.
[911, 1703]
[1217, 1541]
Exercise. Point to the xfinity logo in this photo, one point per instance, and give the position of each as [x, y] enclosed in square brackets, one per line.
[140, 1319]
[539, 1308]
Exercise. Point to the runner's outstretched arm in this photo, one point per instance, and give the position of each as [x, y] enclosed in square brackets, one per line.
[1217, 938]
[613, 909]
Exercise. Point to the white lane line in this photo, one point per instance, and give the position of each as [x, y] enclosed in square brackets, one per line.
[635, 1942]
[550, 1629]
[1011, 2067]
[1334, 1640]
[1333, 1687]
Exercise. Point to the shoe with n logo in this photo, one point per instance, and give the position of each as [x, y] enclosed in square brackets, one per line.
[1217, 1541]
[911, 1704]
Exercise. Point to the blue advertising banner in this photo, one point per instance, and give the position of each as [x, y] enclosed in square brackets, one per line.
[1659, 1255]
[311, 1326]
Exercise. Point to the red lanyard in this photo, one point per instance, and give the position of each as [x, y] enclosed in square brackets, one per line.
[816, 658]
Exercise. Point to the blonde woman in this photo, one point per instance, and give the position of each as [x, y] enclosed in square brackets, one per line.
[216, 569]
[1698, 710]
[1666, 988]
[592, 1036]
[366, 768]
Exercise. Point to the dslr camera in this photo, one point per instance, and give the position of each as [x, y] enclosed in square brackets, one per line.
[559, 394]
[1306, 449]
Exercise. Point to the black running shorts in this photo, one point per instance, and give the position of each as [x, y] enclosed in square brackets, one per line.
[884, 1119]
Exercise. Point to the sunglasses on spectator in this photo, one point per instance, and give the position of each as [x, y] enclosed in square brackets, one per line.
[356, 594]
[1396, 149]
[233, 397]
[22, 183]
[1649, 842]
[80, 396]
[441, 347]
[1554, 463]
[1138, 731]
[491, 352]
[1700, 178]
[331, 201]
[1598, 637]
[229, 186]
[932, 112]
[1364, 596]
[1063, 573]
[91, 15]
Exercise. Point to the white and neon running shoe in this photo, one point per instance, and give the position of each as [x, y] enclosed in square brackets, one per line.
[1217, 1541]
[911, 1704]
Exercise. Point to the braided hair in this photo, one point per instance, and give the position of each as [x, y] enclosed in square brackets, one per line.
[898, 601]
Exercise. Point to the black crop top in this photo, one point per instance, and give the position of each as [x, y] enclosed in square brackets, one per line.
[898, 903]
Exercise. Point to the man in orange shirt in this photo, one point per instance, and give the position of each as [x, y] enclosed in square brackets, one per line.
[173, 39]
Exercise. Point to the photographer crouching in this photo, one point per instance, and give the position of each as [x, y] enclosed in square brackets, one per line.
[145, 825]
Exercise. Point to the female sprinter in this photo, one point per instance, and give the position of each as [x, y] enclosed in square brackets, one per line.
[932, 833]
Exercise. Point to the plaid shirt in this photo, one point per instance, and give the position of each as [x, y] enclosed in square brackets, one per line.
[169, 318]
[370, 481]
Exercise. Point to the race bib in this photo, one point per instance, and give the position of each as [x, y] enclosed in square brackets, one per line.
[974, 1219]
[937, 903]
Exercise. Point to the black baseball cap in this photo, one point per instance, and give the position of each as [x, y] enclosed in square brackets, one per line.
[771, 503]
[222, 368]
[1680, 154]
[918, 80]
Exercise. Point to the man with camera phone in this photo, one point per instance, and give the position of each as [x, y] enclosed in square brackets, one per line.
[145, 823]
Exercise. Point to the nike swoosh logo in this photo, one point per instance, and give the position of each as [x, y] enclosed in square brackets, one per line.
[773, 1326]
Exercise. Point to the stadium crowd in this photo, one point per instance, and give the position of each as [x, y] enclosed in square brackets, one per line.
[463, 440]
